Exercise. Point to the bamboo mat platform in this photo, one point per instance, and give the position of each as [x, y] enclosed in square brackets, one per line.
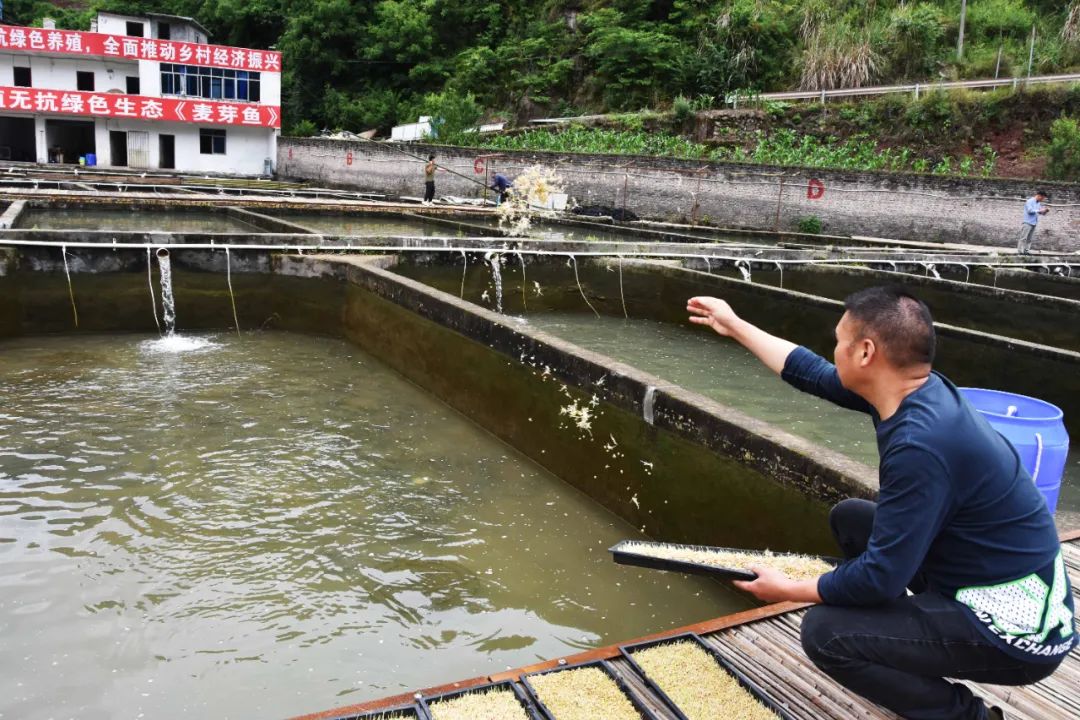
[764, 644]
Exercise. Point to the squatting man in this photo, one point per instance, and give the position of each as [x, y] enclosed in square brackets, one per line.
[956, 570]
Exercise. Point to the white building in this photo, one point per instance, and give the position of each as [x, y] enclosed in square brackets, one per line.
[138, 92]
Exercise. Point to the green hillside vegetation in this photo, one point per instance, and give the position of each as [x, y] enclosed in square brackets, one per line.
[357, 64]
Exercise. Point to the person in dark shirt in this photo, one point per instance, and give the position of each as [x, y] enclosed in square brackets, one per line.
[429, 180]
[956, 571]
[501, 185]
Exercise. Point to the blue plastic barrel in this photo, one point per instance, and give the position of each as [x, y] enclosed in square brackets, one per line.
[91, 159]
[1035, 428]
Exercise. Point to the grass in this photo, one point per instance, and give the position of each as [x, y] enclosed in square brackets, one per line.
[782, 147]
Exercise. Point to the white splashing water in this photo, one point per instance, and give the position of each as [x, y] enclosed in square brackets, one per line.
[744, 269]
[168, 302]
[649, 406]
[496, 274]
[175, 344]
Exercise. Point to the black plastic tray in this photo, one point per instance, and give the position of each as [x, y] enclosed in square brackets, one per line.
[413, 708]
[508, 684]
[625, 557]
[546, 714]
[749, 685]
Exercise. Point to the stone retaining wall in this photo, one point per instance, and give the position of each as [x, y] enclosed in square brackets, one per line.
[903, 206]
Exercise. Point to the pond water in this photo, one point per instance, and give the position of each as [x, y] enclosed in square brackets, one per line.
[367, 225]
[276, 524]
[721, 369]
[132, 220]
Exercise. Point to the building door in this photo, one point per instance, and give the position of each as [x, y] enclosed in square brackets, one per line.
[17, 139]
[138, 149]
[118, 148]
[167, 151]
[69, 140]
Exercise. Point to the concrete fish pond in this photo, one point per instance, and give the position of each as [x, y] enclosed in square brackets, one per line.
[153, 420]
[633, 311]
[328, 477]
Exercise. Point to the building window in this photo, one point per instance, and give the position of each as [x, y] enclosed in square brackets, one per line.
[135, 29]
[164, 31]
[22, 77]
[84, 81]
[210, 83]
[132, 85]
[211, 142]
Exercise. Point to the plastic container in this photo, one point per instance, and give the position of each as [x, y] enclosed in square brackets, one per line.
[91, 160]
[412, 712]
[546, 714]
[725, 665]
[82, 159]
[427, 701]
[1035, 428]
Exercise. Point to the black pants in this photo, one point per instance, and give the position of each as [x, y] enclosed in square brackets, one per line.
[897, 654]
[429, 191]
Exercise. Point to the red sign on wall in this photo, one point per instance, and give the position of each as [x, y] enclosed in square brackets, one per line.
[137, 107]
[74, 42]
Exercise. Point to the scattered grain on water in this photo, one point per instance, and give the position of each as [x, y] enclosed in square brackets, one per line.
[797, 567]
[697, 685]
[583, 694]
[497, 704]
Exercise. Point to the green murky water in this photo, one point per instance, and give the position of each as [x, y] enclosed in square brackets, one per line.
[278, 524]
[721, 369]
[131, 220]
[367, 226]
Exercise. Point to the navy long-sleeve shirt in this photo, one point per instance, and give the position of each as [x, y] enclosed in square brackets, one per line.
[956, 504]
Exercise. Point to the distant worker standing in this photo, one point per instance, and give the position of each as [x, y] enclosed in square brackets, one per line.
[429, 180]
[1033, 208]
[501, 185]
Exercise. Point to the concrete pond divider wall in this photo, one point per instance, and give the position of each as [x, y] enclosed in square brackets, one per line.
[906, 206]
[658, 291]
[1042, 319]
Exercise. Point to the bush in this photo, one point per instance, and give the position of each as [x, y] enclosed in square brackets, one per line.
[1064, 150]
[993, 19]
[810, 225]
[452, 114]
[682, 109]
[915, 33]
[304, 128]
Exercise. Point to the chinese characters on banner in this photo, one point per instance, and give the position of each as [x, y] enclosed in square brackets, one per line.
[137, 107]
[74, 42]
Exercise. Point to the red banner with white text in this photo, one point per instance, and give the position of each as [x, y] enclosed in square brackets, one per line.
[137, 107]
[122, 47]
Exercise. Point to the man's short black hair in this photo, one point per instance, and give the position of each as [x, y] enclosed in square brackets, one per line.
[895, 319]
[430, 157]
[1043, 193]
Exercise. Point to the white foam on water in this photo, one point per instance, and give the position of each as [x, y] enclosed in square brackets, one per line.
[175, 344]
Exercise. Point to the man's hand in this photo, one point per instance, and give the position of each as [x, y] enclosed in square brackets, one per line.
[773, 586]
[718, 315]
[713, 312]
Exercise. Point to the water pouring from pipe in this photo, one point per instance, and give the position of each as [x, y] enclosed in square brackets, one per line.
[168, 302]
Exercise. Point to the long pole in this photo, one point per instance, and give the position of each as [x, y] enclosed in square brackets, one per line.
[963, 21]
[779, 201]
[1031, 52]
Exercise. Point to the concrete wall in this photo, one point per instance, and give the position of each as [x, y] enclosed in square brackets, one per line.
[913, 207]
[57, 73]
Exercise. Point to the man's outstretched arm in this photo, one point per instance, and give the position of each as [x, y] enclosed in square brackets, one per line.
[717, 314]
